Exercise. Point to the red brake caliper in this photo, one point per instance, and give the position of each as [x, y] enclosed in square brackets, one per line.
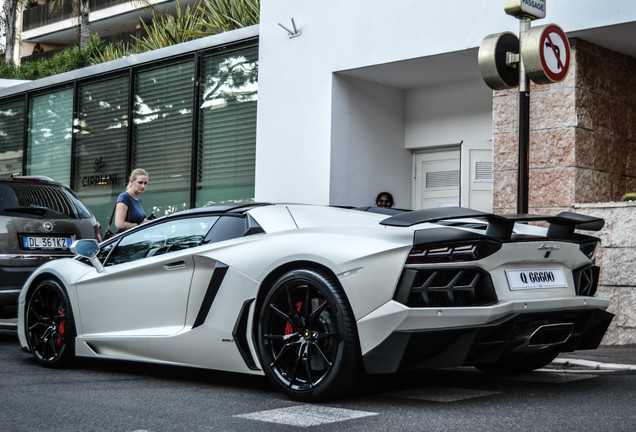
[60, 330]
[288, 329]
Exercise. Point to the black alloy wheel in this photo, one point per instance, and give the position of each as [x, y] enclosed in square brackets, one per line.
[307, 337]
[49, 325]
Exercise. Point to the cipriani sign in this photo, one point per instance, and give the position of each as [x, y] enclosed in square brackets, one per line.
[100, 179]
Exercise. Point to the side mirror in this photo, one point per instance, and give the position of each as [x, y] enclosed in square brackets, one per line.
[88, 249]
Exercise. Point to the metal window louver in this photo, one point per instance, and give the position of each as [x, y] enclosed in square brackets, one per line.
[483, 171]
[442, 179]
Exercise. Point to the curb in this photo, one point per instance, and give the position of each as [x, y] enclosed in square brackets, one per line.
[564, 363]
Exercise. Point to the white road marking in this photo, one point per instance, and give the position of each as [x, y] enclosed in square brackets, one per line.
[441, 394]
[306, 415]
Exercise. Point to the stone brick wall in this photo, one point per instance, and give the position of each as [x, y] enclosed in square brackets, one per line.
[582, 135]
[583, 159]
[606, 123]
[617, 259]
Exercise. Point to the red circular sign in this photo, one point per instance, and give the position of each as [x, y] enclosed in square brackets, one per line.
[554, 51]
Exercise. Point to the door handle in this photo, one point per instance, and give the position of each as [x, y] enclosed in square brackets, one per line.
[175, 265]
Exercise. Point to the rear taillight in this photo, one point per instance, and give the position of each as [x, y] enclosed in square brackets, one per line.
[452, 252]
[98, 229]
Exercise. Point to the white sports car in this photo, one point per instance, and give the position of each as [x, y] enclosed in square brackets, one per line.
[316, 297]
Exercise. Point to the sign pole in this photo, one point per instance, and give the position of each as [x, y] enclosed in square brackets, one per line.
[541, 54]
[523, 173]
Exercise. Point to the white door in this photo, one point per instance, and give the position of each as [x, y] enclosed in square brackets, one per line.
[437, 179]
[454, 176]
[476, 184]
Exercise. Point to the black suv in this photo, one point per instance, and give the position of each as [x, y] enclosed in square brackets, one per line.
[39, 219]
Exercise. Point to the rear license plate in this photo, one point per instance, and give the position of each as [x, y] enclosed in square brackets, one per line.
[536, 278]
[46, 242]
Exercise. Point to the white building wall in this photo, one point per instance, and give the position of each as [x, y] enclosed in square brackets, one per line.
[367, 144]
[312, 148]
[434, 117]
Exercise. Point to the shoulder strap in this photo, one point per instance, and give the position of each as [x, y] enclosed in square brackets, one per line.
[110, 221]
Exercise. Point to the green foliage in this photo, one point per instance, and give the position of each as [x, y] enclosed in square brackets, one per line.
[67, 60]
[219, 16]
[101, 52]
[631, 196]
[166, 30]
[207, 18]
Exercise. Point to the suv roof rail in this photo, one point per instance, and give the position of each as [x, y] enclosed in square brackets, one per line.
[30, 177]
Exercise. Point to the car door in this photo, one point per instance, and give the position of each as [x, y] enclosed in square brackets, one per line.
[145, 284]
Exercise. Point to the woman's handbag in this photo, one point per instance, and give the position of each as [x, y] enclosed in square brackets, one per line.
[109, 233]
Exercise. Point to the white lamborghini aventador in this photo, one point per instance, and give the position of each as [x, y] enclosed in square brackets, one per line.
[316, 297]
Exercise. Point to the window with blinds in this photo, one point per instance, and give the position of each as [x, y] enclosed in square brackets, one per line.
[49, 135]
[101, 129]
[227, 127]
[11, 133]
[162, 134]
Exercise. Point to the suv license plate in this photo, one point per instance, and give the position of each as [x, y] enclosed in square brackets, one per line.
[536, 278]
[46, 242]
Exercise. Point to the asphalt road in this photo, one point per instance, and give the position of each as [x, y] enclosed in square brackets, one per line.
[119, 396]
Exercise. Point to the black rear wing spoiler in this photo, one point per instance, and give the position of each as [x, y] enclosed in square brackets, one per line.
[561, 226]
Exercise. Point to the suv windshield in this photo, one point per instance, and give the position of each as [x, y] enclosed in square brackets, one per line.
[26, 197]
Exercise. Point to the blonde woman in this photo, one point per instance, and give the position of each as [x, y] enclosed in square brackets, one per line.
[129, 212]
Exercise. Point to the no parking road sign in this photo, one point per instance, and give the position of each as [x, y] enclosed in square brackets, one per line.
[545, 52]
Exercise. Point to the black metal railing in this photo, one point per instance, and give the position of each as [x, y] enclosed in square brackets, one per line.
[42, 54]
[125, 37]
[39, 15]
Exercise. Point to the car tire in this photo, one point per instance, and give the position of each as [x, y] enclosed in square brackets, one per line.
[307, 337]
[49, 324]
[519, 364]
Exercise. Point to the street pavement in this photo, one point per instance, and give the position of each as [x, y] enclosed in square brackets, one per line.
[605, 357]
